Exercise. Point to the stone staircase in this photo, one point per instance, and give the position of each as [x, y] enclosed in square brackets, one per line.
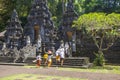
[6, 59]
[74, 61]
[68, 62]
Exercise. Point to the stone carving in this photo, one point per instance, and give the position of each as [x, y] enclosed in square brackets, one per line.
[66, 31]
[14, 31]
[28, 42]
[40, 17]
[4, 46]
[17, 54]
[67, 50]
[6, 51]
[24, 52]
[39, 30]
[39, 41]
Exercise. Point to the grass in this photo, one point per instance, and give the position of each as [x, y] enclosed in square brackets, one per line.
[37, 77]
[97, 69]
[32, 67]
[106, 69]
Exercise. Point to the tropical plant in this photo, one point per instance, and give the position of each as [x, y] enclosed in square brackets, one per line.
[103, 29]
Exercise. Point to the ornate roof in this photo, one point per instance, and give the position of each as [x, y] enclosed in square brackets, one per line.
[40, 14]
[14, 27]
[68, 17]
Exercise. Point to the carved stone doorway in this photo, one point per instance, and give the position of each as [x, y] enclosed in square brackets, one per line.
[69, 35]
[36, 32]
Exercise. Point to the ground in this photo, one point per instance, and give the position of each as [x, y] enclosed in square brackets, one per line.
[6, 70]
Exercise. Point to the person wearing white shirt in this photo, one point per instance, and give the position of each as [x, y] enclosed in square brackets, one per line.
[60, 55]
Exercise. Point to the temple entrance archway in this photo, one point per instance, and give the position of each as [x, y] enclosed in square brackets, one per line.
[36, 32]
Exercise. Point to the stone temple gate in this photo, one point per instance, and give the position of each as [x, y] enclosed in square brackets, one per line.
[40, 29]
[40, 25]
[39, 22]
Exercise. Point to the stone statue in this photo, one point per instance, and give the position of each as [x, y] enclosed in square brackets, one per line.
[24, 52]
[4, 46]
[28, 40]
[16, 54]
[6, 51]
[39, 41]
[67, 49]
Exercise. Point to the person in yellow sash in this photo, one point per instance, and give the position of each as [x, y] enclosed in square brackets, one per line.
[57, 56]
[49, 60]
[45, 57]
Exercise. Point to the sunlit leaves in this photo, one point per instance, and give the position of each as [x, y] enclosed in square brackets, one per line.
[100, 26]
[107, 6]
[98, 21]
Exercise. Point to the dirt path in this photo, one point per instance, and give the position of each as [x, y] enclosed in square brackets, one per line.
[11, 70]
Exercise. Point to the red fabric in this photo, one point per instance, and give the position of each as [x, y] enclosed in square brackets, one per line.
[38, 62]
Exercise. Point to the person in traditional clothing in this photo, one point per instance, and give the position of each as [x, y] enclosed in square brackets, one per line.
[49, 60]
[60, 55]
[57, 56]
[45, 57]
[38, 60]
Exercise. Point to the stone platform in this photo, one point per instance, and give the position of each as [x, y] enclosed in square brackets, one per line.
[68, 62]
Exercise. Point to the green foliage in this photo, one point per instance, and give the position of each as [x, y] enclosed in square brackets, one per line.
[107, 6]
[59, 10]
[36, 77]
[99, 60]
[54, 19]
[99, 21]
[5, 12]
[23, 7]
[102, 27]
[81, 6]
[78, 6]
[94, 21]
[53, 6]
[96, 69]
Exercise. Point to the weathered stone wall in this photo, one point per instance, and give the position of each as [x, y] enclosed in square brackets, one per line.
[86, 48]
[1, 46]
[111, 56]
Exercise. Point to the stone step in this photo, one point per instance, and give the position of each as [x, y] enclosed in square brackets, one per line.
[14, 64]
[72, 61]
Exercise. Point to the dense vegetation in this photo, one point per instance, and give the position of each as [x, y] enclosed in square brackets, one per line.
[102, 29]
[55, 6]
